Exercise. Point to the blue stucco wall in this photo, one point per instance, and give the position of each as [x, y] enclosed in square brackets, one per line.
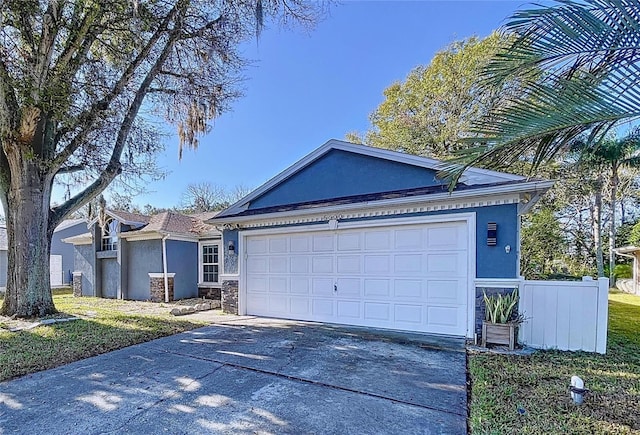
[58, 247]
[109, 277]
[144, 257]
[230, 262]
[84, 261]
[491, 261]
[182, 259]
[339, 173]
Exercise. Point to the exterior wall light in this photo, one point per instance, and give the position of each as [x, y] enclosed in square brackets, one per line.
[231, 246]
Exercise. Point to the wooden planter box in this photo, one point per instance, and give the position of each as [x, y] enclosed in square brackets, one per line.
[499, 333]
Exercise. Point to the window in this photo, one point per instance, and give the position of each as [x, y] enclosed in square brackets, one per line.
[110, 235]
[210, 263]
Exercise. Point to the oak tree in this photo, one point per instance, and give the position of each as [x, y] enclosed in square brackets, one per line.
[83, 84]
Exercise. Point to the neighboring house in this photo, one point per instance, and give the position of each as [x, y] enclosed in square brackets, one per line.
[61, 259]
[630, 285]
[370, 237]
[167, 256]
[62, 253]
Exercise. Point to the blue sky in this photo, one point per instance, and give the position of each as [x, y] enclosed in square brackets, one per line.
[308, 87]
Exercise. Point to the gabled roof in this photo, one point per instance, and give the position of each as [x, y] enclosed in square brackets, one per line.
[128, 218]
[471, 178]
[171, 223]
[68, 223]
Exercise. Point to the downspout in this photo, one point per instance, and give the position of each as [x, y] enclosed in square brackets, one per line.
[164, 267]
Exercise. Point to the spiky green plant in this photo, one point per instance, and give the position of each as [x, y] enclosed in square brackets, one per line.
[499, 308]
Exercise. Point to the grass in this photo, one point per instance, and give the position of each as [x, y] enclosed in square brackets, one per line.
[113, 324]
[529, 394]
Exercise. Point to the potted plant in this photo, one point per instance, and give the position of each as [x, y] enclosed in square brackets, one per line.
[500, 324]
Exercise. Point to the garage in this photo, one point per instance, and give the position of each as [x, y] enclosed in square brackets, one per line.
[410, 277]
[363, 236]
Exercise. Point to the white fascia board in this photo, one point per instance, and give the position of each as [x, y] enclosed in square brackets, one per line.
[396, 156]
[76, 241]
[442, 197]
[626, 249]
[155, 235]
[116, 217]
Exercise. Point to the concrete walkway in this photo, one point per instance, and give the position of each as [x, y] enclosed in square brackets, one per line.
[251, 375]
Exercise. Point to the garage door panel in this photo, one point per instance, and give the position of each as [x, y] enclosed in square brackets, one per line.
[300, 306]
[322, 265]
[376, 288]
[300, 243]
[377, 264]
[278, 245]
[258, 304]
[278, 265]
[322, 286]
[300, 286]
[278, 285]
[349, 241]
[322, 308]
[349, 264]
[411, 314]
[412, 277]
[449, 291]
[278, 304]
[410, 239]
[348, 310]
[446, 264]
[299, 264]
[323, 243]
[257, 265]
[257, 246]
[377, 311]
[257, 283]
[348, 287]
[407, 288]
[408, 263]
[377, 240]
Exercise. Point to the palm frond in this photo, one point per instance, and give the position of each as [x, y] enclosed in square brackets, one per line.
[578, 63]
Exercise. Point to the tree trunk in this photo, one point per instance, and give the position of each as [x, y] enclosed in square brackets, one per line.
[597, 228]
[28, 291]
[612, 226]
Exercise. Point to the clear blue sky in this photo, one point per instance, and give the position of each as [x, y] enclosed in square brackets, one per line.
[308, 87]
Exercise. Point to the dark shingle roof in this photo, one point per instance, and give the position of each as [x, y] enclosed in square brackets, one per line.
[170, 222]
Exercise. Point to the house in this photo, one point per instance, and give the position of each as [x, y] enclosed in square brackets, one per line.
[630, 285]
[167, 256]
[61, 259]
[364, 236]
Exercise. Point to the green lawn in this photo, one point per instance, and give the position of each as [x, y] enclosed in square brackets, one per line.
[529, 394]
[112, 324]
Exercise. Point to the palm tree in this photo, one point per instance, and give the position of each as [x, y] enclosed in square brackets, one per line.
[614, 155]
[578, 64]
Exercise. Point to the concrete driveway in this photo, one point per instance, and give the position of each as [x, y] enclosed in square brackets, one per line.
[253, 376]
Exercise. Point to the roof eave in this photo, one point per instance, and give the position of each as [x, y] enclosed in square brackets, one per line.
[537, 188]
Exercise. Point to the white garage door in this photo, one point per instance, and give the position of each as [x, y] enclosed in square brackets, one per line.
[55, 270]
[408, 277]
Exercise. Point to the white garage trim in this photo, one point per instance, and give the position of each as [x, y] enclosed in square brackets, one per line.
[468, 218]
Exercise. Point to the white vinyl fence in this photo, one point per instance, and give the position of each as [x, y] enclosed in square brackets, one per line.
[565, 315]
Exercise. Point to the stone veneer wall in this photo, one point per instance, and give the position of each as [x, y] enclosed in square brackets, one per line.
[156, 288]
[209, 293]
[229, 296]
[77, 284]
[480, 307]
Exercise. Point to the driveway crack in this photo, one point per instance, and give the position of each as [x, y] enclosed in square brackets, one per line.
[317, 383]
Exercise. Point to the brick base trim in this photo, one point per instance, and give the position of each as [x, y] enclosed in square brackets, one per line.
[229, 296]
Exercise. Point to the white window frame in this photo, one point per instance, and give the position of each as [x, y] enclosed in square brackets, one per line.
[201, 264]
[110, 235]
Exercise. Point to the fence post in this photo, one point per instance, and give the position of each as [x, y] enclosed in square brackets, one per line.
[602, 317]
